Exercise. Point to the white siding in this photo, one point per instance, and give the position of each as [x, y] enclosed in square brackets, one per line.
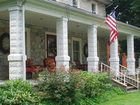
[101, 9]
[65, 1]
[87, 5]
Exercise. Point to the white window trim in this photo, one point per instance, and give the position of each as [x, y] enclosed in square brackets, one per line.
[77, 39]
[45, 49]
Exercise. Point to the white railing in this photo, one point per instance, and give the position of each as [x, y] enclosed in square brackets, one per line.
[104, 68]
[123, 69]
[123, 77]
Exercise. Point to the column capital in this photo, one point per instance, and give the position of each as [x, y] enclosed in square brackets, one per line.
[62, 19]
[93, 26]
[15, 8]
[131, 35]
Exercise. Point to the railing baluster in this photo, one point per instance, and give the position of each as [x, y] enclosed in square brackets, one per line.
[124, 79]
[101, 67]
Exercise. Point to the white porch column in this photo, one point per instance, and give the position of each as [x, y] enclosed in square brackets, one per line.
[130, 55]
[92, 49]
[17, 55]
[114, 57]
[62, 58]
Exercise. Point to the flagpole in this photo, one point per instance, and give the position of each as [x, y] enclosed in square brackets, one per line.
[116, 7]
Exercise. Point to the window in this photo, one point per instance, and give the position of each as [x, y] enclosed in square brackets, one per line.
[93, 7]
[74, 2]
[76, 50]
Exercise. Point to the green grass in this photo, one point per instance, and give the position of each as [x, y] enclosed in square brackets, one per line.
[126, 99]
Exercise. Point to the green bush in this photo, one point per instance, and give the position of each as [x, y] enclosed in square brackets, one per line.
[95, 84]
[74, 88]
[18, 92]
[62, 87]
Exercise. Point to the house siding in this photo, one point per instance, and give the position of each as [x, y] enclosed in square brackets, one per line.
[102, 50]
[87, 5]
[65, 1]
[37, 45]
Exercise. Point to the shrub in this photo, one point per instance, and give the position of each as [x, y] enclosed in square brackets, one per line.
[74, 88]
[95, 84]
[62, 87]
[17, 92]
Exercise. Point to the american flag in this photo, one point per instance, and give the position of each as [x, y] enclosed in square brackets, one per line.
[111, 22]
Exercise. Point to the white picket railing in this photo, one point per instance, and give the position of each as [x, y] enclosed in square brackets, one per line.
[105, 68]
[123, 77]
[123, 69]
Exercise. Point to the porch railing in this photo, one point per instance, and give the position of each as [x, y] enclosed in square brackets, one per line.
[123, 77]
[123, 69]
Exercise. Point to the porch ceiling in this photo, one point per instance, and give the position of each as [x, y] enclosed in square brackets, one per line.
[75, 28]
[45, 21]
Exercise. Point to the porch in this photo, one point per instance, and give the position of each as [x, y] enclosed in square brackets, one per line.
[72, 37]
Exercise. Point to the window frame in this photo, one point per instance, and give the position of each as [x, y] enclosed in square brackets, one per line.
[80, 50]
[75, 5]
[95, 7]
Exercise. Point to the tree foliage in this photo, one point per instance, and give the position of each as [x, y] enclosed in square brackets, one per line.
[128, 10]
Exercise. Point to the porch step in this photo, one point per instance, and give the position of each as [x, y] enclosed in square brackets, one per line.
[128, 82]
[119, 83]
[131, 89]
[127, 87]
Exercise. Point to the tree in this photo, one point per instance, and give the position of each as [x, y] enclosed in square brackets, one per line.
[127, 11]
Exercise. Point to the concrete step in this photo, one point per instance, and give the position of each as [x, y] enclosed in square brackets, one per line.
[131, 89]
[127, 87]
[119, 83]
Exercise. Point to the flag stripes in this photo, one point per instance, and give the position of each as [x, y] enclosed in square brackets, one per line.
[111, 22]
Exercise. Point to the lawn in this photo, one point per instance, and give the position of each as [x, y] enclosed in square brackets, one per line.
[127, 99]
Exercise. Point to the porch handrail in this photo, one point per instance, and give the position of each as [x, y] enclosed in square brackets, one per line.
[123, 77]
[123, 69]
[105, 68]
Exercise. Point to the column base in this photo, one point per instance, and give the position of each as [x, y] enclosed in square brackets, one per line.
[16, 66]
[62, 62]
[114, 64]
[93, 64]
[131, 66]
